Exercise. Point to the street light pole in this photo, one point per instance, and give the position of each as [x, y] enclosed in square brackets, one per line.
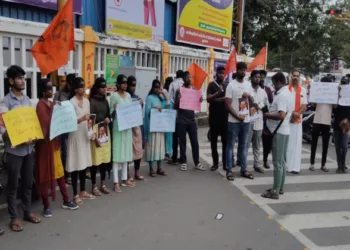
[239, 30]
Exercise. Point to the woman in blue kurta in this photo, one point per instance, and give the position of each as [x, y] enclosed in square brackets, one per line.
[155, 141]
[122, 140]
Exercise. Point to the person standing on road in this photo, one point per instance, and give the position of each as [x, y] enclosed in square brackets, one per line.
[49, 168]
[136, 132]
[122, 140]
[268, 90]
[155, 141]
[100, 107]
[168, 136]
[174, 87]
[19, 159]
[78, 148]
[296, 128]
[321, 125]
[237, 92]
[186, 123]
[61, 96]
[341, 132]
[218, 117]
[277, 125]
[256, 127]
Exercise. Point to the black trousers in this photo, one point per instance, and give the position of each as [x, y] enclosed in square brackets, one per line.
[218, 128]
[19, 167]
[267, 146]
[191, 129]
[175, 144]
[324, 131]
[93, 171]
[82, 175]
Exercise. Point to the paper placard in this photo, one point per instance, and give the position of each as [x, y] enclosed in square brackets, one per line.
[129, 115]
[64, 119]
[22, 124]
[190, 99]
[102, 154]
[324, 92]
[344, 98]
[163, 121]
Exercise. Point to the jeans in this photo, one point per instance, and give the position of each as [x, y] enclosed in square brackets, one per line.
[241, 131]
[279, 159]
[19, 166]
[341, 147]
[216, 129]
[324, 130]
[191, 129]
[254, 138]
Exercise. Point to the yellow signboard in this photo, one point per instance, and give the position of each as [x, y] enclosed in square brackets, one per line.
[22, 124]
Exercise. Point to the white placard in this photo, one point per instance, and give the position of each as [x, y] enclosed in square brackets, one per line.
[324, 92]
[344, 98]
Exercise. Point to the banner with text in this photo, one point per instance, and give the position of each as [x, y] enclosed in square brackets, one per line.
[137, 19]
[64, 119]
[344, 95]
[324, 92]
[129, 115]
[205, 23]
[51, 4]
[163, 121]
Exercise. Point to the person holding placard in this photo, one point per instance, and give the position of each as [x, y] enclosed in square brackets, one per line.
[155, 141]
[122, 140]
[185, 123]
[169, 135]
[100, 107]
[78, 150]
[321, 125]
[296, 129]
[341, 131]
[19, 159]
[49, 168]
[136, 132]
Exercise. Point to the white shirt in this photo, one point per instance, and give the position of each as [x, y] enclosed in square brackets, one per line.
[174, 86]
[281, 102]
[234, 91]
[323, 114]
[260, 98]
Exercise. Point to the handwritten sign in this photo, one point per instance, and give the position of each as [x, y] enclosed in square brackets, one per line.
[163, 121]
[64, 119]
[22, 124]
[344, 98]
[324, 92]
[102, 154]
[190, 99]
[129, 115]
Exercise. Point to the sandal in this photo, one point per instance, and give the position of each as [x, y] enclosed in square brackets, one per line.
[229, 176]
[183, 167]
[139, 177]
[324, 169]
[214, 168]
[96, 192]
[2, 232]
[161, 172]
[16, 226]
[128, 183]
[200, 167]
[270, 189]
[152, 173]
[32, 219]
[270, 195]
[86, 196]
[69, 181]
[117, 188]
[247, 175]
[78, 201]
[104, 189]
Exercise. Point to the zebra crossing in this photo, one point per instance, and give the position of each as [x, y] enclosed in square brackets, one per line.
[315, 207]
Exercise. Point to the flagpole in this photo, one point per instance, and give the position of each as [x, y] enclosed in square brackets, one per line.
[267, 48]
[61, 79]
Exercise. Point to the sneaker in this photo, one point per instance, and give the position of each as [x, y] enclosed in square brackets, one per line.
[47, 213]
[312, 167]
[183, 167]
[70, 205]
[324, 169]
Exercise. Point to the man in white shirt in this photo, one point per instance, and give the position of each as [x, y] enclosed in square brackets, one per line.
[237, 92]
[256, 127]
[278, 127]
[296, 129]
[321, 125]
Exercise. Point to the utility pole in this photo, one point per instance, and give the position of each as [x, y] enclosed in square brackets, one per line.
[239, 21]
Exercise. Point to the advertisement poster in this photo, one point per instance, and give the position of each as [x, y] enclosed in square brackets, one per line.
[206, 23]
[112, 65]
[137, 19]
[50, 4]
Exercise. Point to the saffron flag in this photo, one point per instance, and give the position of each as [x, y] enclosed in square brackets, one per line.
[231, 63]
[51, 50]
[259, 60]
[198, 75]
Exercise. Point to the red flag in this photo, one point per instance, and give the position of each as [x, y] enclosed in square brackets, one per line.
[259, 60]
[51, 50]
[198, 75]
[231, 63]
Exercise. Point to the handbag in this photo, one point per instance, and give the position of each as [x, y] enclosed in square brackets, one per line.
[266, 130]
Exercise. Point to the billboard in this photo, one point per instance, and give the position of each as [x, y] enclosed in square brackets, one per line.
[137, 19]
[50, 4]
[206, 23]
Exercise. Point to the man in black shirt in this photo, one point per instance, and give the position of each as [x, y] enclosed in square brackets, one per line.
[218, 116]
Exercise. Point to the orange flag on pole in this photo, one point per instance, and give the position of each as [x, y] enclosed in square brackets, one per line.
[198, 75]
[231, 63]
[259, 60]
[51, 50]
